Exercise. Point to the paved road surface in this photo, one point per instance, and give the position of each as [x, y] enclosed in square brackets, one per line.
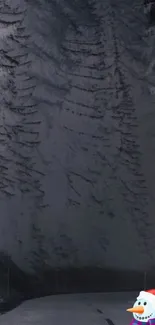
[77, 309]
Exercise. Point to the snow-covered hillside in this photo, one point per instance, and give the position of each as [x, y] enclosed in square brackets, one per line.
[77, 135]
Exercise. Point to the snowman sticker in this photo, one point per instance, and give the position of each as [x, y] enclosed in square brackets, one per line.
[144, 308]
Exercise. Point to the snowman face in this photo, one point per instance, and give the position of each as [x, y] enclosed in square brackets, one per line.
[148, 312]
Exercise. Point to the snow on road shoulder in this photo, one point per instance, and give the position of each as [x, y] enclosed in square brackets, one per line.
[73, 309]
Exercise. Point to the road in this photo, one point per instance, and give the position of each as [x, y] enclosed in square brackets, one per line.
[73, 309]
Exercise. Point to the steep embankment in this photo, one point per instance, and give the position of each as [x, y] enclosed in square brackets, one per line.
[76, 187]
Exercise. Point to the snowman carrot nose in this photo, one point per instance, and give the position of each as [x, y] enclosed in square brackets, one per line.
[137, 310]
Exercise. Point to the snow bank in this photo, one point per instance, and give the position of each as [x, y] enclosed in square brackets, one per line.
[74, 309]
